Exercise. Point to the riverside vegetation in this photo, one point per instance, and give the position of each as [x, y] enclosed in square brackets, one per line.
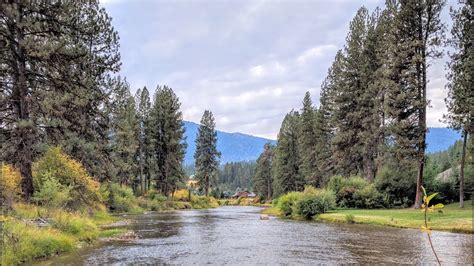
[69, 209]
[76, 145]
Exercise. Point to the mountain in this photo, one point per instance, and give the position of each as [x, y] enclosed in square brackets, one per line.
[236, 147]
[440, 138]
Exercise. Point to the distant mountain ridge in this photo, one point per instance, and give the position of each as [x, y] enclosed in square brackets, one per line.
[236, 147]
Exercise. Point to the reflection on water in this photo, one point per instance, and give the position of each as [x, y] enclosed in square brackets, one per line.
[236, 235]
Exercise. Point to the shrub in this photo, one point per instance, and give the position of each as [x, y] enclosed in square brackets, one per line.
[51, 193]
[369, 198]
[345, 188]
[356, 192]
[313, 202]
[397, 181]
[203, 202]
[121, 199]
[350, 218]
[84, 190]
[181, 194]
[287, 202]
[10, 180]
[153, 194]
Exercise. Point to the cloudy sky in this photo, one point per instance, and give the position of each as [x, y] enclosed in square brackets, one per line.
[250, 62]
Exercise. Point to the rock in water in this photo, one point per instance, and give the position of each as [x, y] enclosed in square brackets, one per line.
[264, 217]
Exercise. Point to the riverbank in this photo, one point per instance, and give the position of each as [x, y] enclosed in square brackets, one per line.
[243, 202]
[32, 232]
[451, 218]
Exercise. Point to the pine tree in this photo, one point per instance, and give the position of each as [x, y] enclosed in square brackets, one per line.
[54, 69]
[124, 138]
[288, 175]
[142, 99]
[263, 178]
[350, 111]
[206, 155]
[323, 126]
[418, 32]
[308, 139]
[167, 140]
[460, 100]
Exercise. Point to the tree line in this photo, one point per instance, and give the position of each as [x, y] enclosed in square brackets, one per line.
[373, 103]
[59, 87]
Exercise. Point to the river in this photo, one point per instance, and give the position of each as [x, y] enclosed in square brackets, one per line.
[236, 235]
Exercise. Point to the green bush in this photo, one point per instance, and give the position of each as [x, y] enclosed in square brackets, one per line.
[313, 202]
[83, 189]
[398, 182]
[287, 202]
[350, 218]
[155, 195]
[51, 193]
[369, 198]
[356, 192]
[121, 199]
[203, 202]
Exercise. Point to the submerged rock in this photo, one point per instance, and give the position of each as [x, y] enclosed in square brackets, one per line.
[127, 236]
[264, 217]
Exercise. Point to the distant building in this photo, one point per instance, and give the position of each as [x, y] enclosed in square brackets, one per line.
[243, 194]
[192, 183]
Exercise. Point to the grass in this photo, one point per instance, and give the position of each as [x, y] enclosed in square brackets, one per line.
[25, 241]
[111, 232]
[273, 211]
[452, 218]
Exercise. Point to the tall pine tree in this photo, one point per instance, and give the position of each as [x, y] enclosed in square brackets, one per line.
[418, 32]
[460, 100]
[167, 140]
[123, 138]
[143, 104]
[263, 178]
[54, 70]
[308, 141]
[206, 155]
[288, 176]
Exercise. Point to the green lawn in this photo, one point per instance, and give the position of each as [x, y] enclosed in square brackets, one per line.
[451, 219]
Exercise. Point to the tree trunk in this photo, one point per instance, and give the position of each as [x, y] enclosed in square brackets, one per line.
[461, 174]
[25, 127]
[269, 190]
[206, 187]
[142, 190]
[421, 69]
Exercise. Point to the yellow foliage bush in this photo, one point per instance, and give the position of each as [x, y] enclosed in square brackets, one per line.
[10, 183]
[181, 195]
[84, 190]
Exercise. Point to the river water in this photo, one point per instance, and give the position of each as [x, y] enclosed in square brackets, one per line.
[236, 235]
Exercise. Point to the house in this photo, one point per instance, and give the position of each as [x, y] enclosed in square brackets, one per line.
[243, 194]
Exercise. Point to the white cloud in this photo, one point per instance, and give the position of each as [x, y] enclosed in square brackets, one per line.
[316, 52]
[249, 62]
[257, 71]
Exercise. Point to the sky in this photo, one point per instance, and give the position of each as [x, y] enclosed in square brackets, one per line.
[249, 62]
